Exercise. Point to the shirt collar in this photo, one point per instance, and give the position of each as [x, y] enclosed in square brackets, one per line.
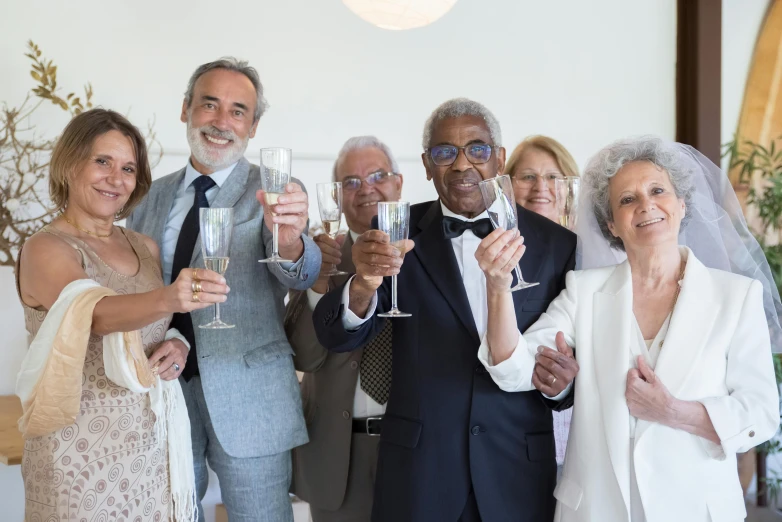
[448, 213]
[218, 177]
[353, 236]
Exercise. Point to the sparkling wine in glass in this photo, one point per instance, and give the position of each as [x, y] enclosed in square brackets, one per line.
[500, 203]
[275, 175]
[567, 192]
[393, 218]
[330, 206]
[216, 227]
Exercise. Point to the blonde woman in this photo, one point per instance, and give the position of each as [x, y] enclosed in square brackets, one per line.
[534, 166]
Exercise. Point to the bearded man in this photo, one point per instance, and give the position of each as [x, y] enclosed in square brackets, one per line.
[240, 386]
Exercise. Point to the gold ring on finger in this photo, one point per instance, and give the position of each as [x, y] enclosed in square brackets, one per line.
[553, 381]
[195, 274]
[193, 285]
[198, 286]
[196, 299]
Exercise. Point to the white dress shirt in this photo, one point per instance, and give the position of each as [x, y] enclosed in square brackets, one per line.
[363, 404]
[183, 201]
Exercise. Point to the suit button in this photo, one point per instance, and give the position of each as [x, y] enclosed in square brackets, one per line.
[353, 365]
[346, 414]
[751, 433]
[476, 430]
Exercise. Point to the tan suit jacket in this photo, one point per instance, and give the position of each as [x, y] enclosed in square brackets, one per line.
[320, 468]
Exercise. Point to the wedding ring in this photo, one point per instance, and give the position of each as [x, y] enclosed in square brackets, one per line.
[196, 299]
[195, 274]
[176, 367]
[553, 381]
[195, 285]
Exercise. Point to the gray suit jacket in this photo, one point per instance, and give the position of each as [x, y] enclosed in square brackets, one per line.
[247, 373]
[320, 468]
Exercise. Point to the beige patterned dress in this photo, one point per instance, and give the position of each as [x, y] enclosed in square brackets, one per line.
[108, 466]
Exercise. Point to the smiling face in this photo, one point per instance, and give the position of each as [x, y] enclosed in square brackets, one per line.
[360, 206]
[220, 119]
[457, 184]
[533, 182]
[106, 179]
[646, 210]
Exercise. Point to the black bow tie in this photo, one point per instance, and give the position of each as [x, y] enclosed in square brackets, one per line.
[453, 227]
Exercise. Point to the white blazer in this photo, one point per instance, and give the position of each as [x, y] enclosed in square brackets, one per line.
[717, 351]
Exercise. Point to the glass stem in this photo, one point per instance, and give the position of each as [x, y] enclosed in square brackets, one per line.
[393, 293]
[519, 279]
[217, 312]
[275, 243]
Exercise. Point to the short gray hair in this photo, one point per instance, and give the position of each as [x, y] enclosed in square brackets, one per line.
[609, 161]
[456, 108]
[364, 142]
[230, 63]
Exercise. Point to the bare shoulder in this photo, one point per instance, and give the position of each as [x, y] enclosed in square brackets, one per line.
[43, 247]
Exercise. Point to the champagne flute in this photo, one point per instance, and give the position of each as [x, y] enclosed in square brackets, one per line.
[567, 191]
[501, 206]
[275, 174]
[216, 228]
[330, 206]
[393, 218]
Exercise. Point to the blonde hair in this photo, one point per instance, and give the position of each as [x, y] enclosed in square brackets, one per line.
[565, 162]
[75, 146]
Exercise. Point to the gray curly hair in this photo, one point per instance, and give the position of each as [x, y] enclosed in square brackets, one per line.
[230, 63]
[609, 161]
[462, 107]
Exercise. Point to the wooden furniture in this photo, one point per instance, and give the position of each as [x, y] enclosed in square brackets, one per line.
[11, 442]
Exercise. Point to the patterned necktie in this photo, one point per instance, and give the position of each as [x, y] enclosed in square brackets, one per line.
[376, 366]
[182, 256]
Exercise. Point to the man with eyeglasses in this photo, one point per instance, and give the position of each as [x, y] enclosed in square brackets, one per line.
[344, 394]
[454, 447]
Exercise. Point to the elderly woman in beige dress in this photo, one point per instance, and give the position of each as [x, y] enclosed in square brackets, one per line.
[102, 459]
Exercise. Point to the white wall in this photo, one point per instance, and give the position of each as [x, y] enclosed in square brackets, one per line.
[741, 23]
[583, 72]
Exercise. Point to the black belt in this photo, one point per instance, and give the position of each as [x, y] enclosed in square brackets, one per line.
[368, 426]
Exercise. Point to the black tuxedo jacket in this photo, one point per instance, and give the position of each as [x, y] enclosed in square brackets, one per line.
[448, 427]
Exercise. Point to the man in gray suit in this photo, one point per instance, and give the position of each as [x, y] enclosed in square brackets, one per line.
[240, 386]
[344, 393]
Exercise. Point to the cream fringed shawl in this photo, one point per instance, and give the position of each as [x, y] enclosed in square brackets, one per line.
[49, 384]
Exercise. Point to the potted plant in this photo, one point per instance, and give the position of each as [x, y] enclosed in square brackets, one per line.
[760, 175]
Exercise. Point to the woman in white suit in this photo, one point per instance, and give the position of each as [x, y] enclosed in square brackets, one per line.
[675, 374]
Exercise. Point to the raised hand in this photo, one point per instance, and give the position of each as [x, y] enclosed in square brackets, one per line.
[194, 289]
[290, 213]
[375, 258]
[498, 254]
[331, 253]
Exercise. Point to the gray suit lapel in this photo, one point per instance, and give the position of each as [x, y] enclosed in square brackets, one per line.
[233, 188]
[164, 198]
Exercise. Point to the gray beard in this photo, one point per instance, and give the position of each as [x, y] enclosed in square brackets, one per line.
[208, 158]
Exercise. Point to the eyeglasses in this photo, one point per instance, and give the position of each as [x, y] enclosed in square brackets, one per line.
[530, 180]
[476, 153]
[353, 183]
